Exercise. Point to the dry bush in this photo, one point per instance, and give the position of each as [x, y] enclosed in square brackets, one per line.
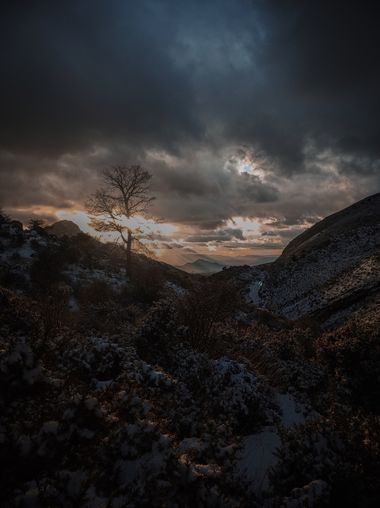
[101, 309]
[146, 281]
[53, 311]
[286, 357]
[203, 308]
[341, 449]
[158, 331]
[95, 293]
[351, 354]
[46, 271]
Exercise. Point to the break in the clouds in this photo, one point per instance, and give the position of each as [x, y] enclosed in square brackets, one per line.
[257, 110]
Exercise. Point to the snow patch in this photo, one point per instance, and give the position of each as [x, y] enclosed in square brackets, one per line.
[293, 412]
[256, 458]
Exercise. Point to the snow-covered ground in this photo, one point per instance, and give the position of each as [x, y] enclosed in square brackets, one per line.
[256, 457]
[258, 452]
[80, 276]
[20, 248]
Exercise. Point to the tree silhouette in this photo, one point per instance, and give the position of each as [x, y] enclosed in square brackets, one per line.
[124, 194]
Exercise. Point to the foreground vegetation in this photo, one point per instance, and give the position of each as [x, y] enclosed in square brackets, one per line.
[119, 392]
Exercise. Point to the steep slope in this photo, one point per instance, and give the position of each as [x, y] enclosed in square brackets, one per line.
[363, 216]
[325, 272]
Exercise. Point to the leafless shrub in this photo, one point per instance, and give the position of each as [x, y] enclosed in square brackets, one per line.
[205, 306]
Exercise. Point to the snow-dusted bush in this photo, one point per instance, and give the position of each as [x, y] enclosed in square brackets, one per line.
[342, 450]
[159, 331]
[203, 307]
[19, 334]
[351, 354]
[18, 366]
[309, 452]
[286, 357]
[226, 388]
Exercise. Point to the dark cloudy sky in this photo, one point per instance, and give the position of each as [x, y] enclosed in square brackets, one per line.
[255, 117]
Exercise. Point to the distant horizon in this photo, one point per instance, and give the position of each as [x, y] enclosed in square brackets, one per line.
[184, 255]
[189, 257]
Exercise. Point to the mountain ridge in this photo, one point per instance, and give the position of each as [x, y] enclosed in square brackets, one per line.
[365, 210]
[326, 272]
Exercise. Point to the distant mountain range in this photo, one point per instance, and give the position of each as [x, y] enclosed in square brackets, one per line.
[202, 266]
[195, 263]
[208, 265]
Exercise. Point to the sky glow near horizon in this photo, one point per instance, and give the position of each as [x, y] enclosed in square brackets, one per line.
[171, 244]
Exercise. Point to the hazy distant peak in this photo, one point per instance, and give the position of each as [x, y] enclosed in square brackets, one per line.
[202, 266]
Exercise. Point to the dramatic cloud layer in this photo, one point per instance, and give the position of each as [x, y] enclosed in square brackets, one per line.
[258, 110]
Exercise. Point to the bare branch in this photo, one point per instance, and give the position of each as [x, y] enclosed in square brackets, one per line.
[125, 194]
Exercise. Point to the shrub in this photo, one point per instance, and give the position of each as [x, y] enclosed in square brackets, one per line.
[342, 450]
[352, 356]
[203, 307]
[146, 282]
[46, 270]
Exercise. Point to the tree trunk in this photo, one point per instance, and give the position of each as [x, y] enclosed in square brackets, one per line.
[129, 253]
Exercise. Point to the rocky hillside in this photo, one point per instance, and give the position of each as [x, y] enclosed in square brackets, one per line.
[327, 271]
[35, 257]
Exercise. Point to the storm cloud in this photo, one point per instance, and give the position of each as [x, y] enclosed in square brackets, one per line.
[258, 109]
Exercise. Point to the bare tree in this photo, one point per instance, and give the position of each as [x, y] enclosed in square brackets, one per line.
[125, 194]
